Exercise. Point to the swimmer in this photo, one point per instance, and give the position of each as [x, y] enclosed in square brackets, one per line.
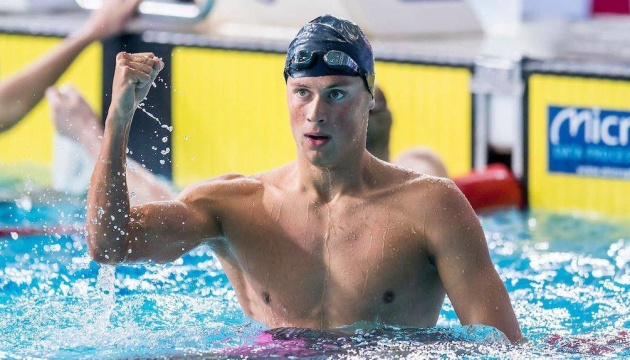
[419, 158]
[74, 118]
[334, 237]
[22, 91]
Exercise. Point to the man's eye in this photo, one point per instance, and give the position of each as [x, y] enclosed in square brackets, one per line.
[336, 94]
[301, 92]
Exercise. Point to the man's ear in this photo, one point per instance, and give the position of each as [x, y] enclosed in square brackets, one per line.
[372, 103]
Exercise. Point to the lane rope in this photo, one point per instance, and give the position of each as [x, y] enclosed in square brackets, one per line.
[6, 231]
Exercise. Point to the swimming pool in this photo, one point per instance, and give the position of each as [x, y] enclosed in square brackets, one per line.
[568, 278]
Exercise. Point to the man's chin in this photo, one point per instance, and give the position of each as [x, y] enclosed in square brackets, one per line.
[320, 160]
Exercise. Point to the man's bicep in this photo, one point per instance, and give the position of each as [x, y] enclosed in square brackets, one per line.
[163, 231]
[457, 245]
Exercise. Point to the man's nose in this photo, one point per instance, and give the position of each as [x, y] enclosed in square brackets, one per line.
[316, 111]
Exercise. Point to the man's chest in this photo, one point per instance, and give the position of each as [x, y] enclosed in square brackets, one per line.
[357, 259]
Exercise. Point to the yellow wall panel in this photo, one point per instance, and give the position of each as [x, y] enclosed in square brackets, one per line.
[431, 106]
[229, 113]
[565, 192]
[31, 141]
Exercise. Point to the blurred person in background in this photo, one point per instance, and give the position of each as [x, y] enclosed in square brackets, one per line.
[22, 91]
[419, 158]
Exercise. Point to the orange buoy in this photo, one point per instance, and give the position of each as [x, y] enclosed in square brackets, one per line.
[492, 188]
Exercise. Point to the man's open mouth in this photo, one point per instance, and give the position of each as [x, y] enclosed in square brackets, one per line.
[318, 137]
[317, 140]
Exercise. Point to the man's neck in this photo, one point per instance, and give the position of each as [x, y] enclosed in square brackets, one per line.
[381, 152]
[328, 183]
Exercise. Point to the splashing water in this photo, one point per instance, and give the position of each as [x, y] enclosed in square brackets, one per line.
[106, 289]
[142, 107]
[568, 279]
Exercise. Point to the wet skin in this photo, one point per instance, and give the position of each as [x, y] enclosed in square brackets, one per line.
[297, 261]
[335, 237]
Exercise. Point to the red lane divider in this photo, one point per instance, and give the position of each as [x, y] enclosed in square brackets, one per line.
[31, 231]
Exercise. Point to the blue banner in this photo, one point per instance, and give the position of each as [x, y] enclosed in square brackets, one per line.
[589, 142]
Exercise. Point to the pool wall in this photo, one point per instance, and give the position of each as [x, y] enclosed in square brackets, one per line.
[577, 124]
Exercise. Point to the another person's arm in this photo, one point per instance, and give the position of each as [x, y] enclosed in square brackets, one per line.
[457, 245]
[20, 92]
[160, 231]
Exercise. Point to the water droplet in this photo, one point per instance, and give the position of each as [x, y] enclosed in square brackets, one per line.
[25, 203]
[14, 235]
[141, 107]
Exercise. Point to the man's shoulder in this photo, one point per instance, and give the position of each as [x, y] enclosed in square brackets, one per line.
[419, 191]
[434, 189]
[411, 180]
[227, 185]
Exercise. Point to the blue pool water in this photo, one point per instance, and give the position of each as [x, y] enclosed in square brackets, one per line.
[568, 278]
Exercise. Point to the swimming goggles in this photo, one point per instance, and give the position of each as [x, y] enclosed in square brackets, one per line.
[334, 59]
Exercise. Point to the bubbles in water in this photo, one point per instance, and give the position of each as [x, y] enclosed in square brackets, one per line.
[14, 235]
[165, 151]
[164, 139]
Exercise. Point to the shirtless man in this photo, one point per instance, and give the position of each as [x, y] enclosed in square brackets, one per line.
[333, 238]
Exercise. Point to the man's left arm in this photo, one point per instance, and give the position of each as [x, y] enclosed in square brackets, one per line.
[457, 245]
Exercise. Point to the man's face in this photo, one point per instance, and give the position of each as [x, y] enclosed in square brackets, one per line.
[328, 117]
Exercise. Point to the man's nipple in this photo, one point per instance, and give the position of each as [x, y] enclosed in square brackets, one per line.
[388, 297]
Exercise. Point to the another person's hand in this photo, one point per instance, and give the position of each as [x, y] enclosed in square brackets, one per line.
[110, 19]
[133, 78]
[72, 115]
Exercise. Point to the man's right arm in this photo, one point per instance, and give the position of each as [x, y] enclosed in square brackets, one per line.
[160, 231]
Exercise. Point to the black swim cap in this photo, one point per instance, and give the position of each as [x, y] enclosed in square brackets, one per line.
[329, 45]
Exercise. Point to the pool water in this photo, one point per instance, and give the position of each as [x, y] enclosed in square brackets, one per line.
[568, 278]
